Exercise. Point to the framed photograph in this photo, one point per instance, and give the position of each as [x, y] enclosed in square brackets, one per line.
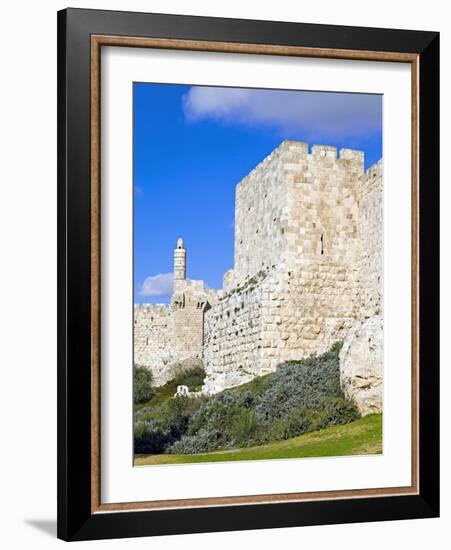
[248, 274]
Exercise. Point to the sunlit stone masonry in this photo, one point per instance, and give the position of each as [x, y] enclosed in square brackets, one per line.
[307, 271]
[168, 338]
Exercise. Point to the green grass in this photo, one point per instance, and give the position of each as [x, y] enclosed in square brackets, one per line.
[363, 436]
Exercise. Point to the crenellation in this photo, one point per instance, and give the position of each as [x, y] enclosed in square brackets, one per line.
[320, 152]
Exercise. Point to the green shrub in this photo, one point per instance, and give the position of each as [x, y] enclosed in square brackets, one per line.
[244, 428]
[312, 384]
[336, 347]
[223, 412]
[149, 438]
[142, 384]
[191, 444]
[156, 428]
[296, 422]
[177, 413]
[223, 420]
[300, 396]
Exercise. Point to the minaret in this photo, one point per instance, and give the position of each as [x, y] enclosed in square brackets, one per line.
[179, 263]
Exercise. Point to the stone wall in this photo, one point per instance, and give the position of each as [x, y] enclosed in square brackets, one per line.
[325, 212]
[170, 338]
[371, 229]
[308, 255]
[190, 301]
[153, 336]
[295, 205]
[232, 336]
[278, 315]
[362, 365]
[262, 206]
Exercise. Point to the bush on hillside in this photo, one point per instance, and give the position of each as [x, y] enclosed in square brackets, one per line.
[301, 396]
[312, 384]
[156, 428]
[224, 420]
[336, 347]
[202, 442]
[142, 384]
[149, 438]
[177, 413]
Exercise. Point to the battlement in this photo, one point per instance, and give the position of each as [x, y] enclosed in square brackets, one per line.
[287, 151]
[375, 171]
[323, 152]
[297, 204]
[290, 154]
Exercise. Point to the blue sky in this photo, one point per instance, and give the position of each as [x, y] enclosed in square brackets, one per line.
[193, 144]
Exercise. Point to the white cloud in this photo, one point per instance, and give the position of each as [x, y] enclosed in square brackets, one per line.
[157, 285]
[334, 115]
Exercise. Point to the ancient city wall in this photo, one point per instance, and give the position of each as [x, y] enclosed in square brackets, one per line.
[277, 316]
[232, 347]
[168, 338]
[295, 206]
[371, 244]
[308, 269]
[262, 207]
[303, 270]
[324, 213]
[153, 335]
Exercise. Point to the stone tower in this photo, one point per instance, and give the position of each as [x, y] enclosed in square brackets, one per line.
[307, 265]
[189, 301]
[179, 264]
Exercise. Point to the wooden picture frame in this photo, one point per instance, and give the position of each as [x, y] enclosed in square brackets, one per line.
[81, 35]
